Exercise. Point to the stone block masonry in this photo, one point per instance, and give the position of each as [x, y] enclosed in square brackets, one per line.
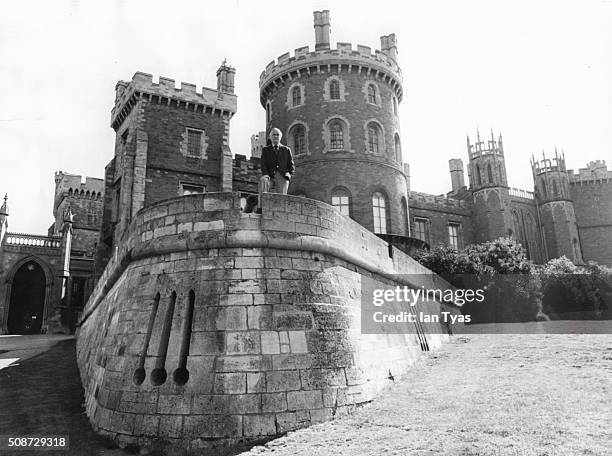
[210, 327]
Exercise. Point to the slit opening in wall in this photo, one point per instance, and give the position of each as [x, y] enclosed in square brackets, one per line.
[140, 373]
[181, 374]
[159, 374]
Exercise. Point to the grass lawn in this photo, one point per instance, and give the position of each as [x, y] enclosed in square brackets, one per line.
[500, 394]
[482, 394]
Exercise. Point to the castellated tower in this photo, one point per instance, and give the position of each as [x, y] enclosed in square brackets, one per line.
[338, 111]
[556, 208]
[489, 187]
[169, 142]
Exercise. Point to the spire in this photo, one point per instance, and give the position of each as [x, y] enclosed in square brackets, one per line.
[477, 135]
[4, 208]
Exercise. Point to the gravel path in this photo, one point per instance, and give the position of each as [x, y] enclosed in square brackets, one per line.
[482, 395]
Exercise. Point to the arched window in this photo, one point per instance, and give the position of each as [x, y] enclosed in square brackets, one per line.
[371, 94]
[405, 222]
[478, 178]
[395, 106]
[373, 138]
[544, 193]
[398, 148]
[296, 95]
[297, 139]
[490, 173]
[336, 134]
[334, 89]
[341, 200]
[555, 193]
[380, 213]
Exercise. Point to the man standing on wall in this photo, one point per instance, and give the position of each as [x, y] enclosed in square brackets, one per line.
[277, 164]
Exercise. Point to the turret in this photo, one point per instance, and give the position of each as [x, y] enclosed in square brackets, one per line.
[556, 207]
[338, 110]
[225, 78]
[489, 186]
[486, 166]
[550, 178]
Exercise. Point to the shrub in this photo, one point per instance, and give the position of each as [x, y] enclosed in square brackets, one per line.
[575, 292]
[501, 268]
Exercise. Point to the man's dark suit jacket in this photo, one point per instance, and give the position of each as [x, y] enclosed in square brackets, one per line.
[271, 160]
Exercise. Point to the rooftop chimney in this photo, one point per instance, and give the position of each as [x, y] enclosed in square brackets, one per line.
[388, 45]
[456, 171]
[321, 25]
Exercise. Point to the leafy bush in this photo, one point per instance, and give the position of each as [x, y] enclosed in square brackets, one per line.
[499, 267]
[518, 290]
[575, 292]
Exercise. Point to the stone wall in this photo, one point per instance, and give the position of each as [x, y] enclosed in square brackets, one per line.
[438, 212]
[210, 327]
[593, 208]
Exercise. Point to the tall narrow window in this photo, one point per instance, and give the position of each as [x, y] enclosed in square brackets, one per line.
[194, 142]
[398, 149]
[478, 178]
[420, 229]
[336, 135]
[297, 96]
[299, 140]
[490, 173]
[334, 90]
[544, 192]
[453, 235]
[371, 94]
[395, 106]
[269, 111]
[373, 138]
[380, 213]
[555, 190]
[341, 201]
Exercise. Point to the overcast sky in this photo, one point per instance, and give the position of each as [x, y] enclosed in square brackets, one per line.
[539, 72]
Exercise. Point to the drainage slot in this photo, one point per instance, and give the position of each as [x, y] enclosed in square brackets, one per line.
[159, 375]
[181, 374]
[140, 373]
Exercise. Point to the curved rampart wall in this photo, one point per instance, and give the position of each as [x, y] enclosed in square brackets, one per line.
[211, 327]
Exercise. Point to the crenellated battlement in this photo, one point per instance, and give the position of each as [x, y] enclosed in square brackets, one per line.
[488, 147]
[548, 165]
[166, 91]
[344, 57]
[438, 200]
[595, 171]
[77, 187]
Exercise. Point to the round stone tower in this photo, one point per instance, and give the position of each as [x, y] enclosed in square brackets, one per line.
[338, 111]
[556, 208]
[489, 186]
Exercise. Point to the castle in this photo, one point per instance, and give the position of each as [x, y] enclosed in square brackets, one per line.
[212, 326]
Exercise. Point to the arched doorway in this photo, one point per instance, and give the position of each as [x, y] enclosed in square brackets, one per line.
[26, 310]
